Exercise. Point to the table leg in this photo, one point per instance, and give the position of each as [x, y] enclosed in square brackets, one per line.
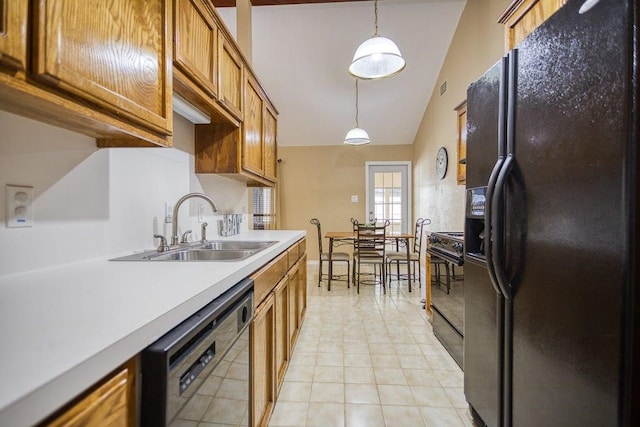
[408, 264]
[330, 264]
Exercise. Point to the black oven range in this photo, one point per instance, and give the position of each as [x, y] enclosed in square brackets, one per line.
[447, 298]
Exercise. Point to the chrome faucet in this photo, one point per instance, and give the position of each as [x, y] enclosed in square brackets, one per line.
[174, 237]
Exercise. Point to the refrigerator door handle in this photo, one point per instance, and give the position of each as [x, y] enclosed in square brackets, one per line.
[488, 218]
[497, 229]
[493, 178]
[497, 205]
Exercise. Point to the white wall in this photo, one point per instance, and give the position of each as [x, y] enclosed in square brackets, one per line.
[91, 202]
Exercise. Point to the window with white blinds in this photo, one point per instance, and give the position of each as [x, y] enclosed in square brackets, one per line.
[264, 208]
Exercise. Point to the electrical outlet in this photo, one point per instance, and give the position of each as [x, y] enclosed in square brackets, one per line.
[19, 206]
[201, 213]
[168, 213]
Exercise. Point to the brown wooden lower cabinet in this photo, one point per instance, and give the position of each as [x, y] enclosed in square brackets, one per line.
[262, 362]
[110, 403]
[275, 327]
[294, 324]
[302, 289]
[281, 302]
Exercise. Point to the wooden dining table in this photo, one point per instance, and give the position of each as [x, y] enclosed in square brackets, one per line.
[349, 236]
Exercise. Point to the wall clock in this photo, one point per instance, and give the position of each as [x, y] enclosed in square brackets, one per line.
[441, 162]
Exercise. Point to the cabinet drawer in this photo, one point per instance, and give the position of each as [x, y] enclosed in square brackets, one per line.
[293, 254]
[266, 278]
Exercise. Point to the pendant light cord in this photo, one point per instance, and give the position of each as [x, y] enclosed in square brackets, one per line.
[357, 125]
[375, 13]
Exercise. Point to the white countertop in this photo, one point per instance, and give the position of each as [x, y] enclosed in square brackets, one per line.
[64, 328]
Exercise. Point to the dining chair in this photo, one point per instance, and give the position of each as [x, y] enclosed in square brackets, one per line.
[399, 257]
[335, 257]
[436, 263]
[369, 248]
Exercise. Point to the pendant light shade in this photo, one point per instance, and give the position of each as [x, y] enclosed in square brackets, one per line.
[377, 57]
[357, 135]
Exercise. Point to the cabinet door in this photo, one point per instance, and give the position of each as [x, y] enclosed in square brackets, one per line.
[262, 362]
[252, 142]
[111, 403]
[302, 289]
[269, 144]
[230, 77]
[13, 34]
[293, 305]
[196, 44]
[281, 302]
[523, 16]
[112, 54]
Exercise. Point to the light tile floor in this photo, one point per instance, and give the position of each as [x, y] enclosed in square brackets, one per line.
[369, 360]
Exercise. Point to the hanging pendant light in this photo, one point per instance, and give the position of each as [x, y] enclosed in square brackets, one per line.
[377, 57]
[357, 136]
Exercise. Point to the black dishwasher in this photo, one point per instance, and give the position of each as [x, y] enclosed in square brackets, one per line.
[199, 371]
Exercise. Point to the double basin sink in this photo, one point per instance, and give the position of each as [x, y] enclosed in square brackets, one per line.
[215, 250]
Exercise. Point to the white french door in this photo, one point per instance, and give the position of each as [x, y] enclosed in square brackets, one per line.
[388, 194]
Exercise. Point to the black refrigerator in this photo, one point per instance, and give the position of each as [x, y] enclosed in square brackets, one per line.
[551, 225]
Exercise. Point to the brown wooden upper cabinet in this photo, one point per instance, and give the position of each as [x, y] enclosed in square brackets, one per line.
[521, 17]
[252, 156]
[231, 76]
[270, 132]
[98, 68]
[208, 70]
[13, 38]
[195, 48]
[259, 132]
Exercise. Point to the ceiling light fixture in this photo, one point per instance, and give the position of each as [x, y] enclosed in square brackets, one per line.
[357, 136]
[377, 57]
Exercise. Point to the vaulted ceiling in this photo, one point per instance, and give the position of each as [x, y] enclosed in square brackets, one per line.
[301, 50]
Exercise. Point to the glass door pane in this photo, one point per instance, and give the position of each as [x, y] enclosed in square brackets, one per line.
[388, 194]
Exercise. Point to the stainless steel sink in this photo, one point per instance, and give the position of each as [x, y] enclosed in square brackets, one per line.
[216, 250]
[236, 245]
[203, 255]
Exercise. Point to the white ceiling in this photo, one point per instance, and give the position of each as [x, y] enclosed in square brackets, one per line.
[301, 54]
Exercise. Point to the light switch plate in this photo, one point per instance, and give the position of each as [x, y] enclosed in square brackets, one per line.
[354, 198]
[19, 206]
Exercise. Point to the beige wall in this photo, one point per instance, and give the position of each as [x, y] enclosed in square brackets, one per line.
[477, 44]
[319, 181]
